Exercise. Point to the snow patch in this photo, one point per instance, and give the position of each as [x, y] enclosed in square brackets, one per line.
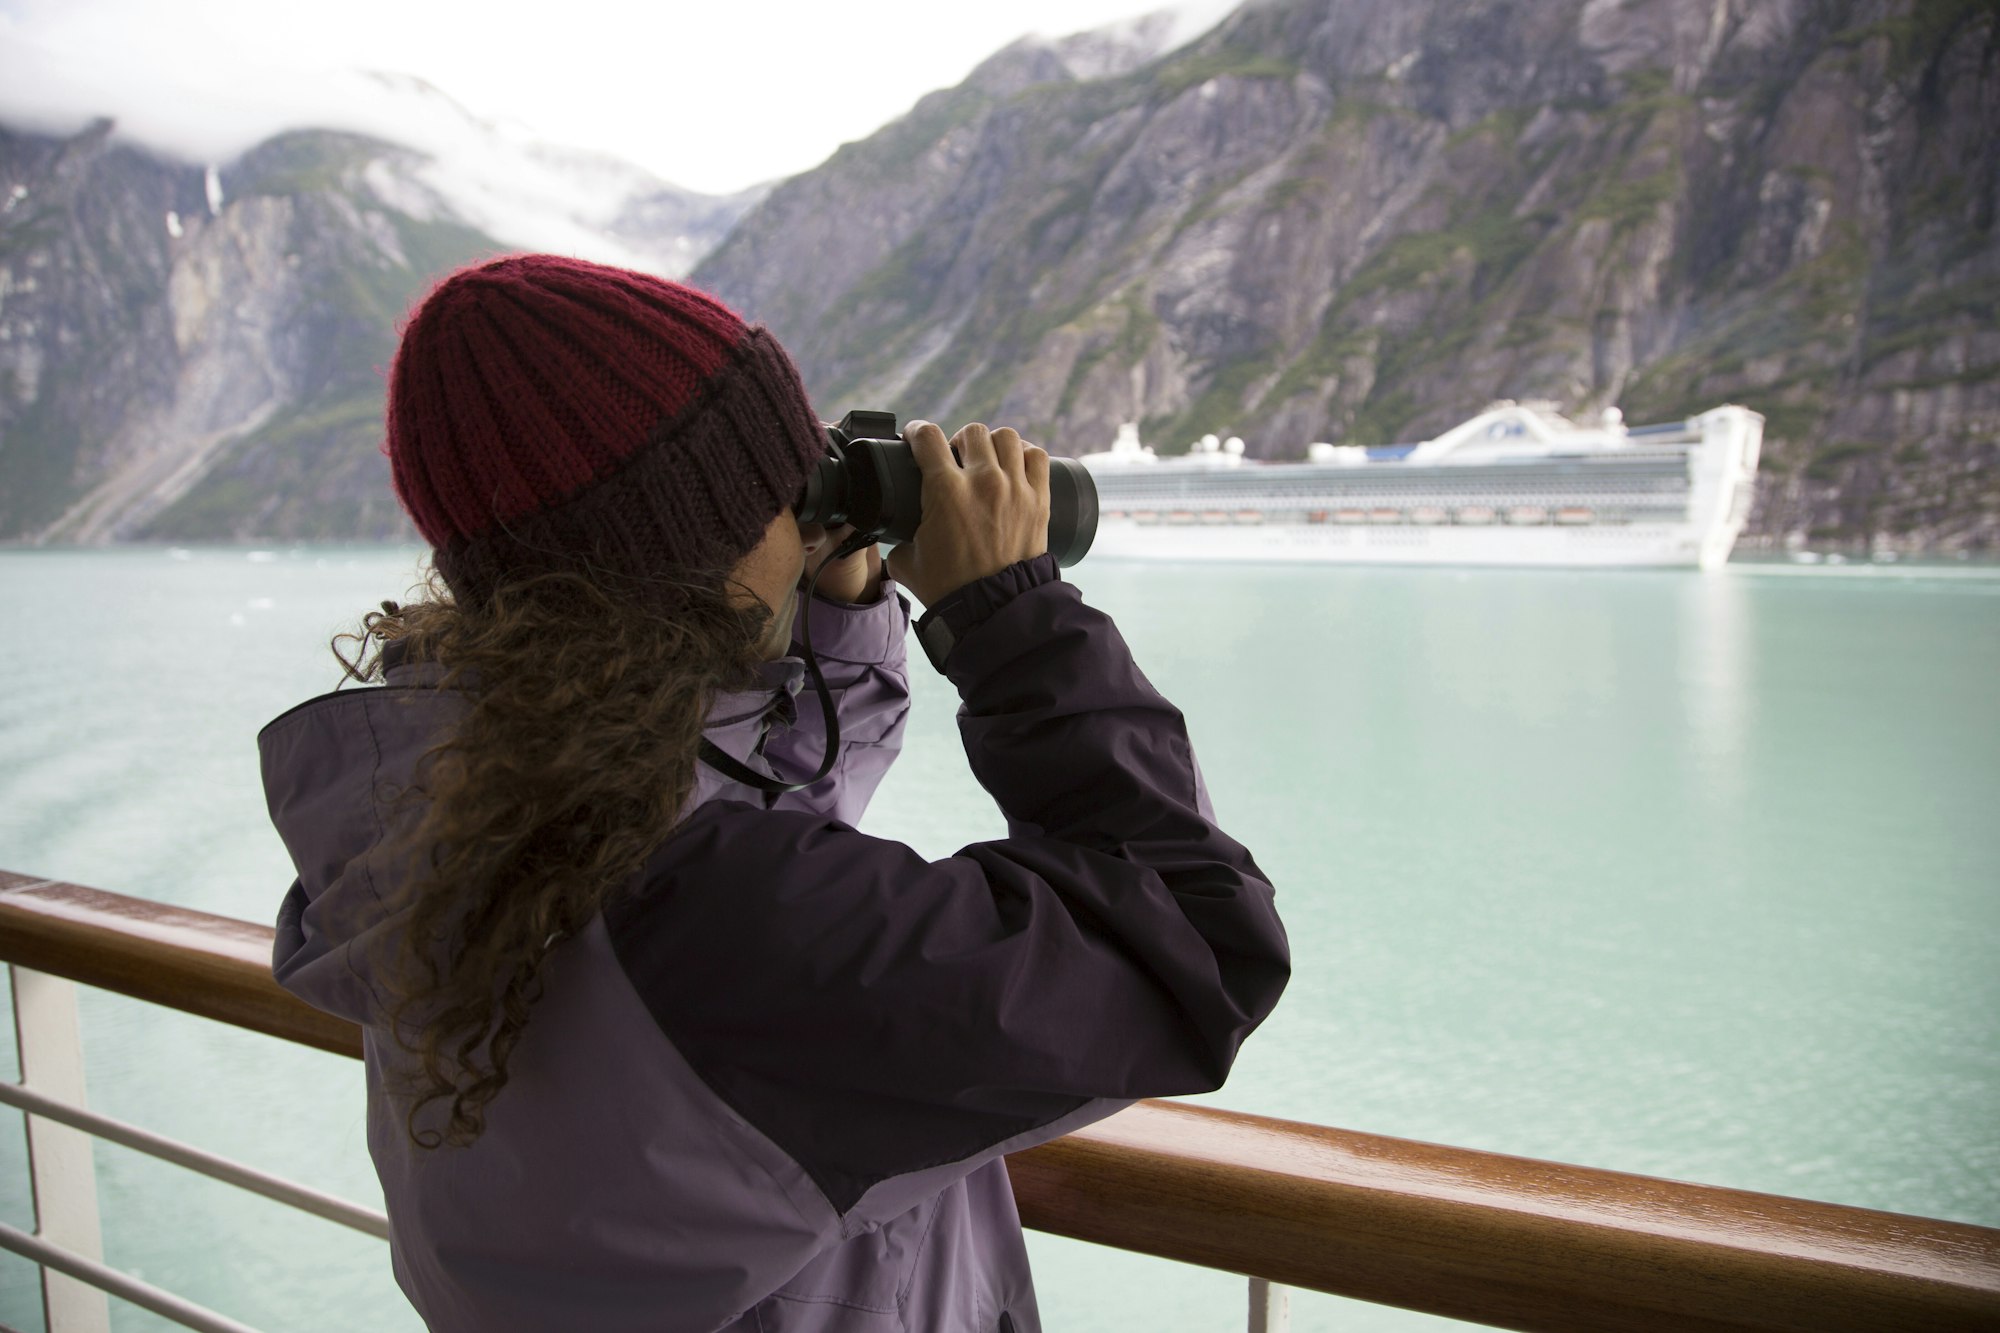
[1167, 28]
[174, 228]
[1194, 18]
[213, 183]
[402, 192]
[497, 177]
[1121, 47]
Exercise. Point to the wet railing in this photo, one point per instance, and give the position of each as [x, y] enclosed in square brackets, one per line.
[1497, 1240]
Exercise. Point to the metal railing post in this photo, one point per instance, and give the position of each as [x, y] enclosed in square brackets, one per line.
[62, 1176]
[1270, 1306]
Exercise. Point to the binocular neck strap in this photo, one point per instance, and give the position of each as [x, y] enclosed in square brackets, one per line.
[735, 769]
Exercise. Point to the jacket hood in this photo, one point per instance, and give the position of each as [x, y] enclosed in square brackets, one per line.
[333, 767]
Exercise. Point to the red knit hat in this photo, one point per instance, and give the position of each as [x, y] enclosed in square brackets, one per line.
[548, 413]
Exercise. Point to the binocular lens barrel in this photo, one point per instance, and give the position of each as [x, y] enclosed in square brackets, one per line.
[874, 484]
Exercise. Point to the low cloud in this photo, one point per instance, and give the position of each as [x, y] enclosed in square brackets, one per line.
[705, 96]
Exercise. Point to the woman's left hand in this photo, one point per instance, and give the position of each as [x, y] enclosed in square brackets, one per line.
[858, 578]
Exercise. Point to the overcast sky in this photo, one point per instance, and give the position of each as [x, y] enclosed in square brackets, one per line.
[711, 96]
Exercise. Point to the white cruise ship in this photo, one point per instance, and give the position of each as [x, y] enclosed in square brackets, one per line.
[1517, 485]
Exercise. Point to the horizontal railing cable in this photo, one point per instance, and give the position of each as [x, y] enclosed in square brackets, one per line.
[1506, 1241]
[122, 1285]
[302, 1197]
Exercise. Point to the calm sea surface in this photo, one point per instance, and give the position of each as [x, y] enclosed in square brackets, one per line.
[1697, 876]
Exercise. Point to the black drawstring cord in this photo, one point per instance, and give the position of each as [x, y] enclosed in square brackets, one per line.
[716, 758]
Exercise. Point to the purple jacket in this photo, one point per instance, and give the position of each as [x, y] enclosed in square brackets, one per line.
[771, 1089]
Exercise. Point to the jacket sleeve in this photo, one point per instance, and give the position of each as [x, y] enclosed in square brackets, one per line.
[878, 1016]
[861, 653]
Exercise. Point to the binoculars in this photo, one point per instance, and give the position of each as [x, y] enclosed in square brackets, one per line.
[869, 480]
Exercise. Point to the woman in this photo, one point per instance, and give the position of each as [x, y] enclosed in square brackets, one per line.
[654, 1047]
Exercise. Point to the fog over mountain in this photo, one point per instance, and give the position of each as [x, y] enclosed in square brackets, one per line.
[717, 98]
[1349, 220]
[195, 351]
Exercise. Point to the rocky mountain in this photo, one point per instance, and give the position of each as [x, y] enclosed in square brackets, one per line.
[192, 352]
[1341, 220]
[1360, 220]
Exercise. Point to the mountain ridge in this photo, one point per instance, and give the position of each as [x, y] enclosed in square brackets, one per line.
[1342, 220]
[193, 351]
[1355, 220]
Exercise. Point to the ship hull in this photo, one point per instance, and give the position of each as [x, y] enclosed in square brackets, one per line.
[1636, 546]
[1511, 487]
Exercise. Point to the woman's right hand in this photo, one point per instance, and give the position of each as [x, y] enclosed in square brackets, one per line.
[984, 509]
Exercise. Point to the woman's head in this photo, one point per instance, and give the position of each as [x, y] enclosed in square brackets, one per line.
[552, 415]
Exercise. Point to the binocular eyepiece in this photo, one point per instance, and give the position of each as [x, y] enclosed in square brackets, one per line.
[869, 479]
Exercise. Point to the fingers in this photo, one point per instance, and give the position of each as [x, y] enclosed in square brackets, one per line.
[820, 542]
[852, 578]
[982, 513]
[929, 447]
[975, 447]
[1035, 466]
[1007, 449]
[1003, 449]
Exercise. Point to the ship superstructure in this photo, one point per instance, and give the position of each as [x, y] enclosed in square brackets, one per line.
[1519, 484]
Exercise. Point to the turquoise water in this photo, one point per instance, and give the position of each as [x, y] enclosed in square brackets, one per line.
[1697, 876]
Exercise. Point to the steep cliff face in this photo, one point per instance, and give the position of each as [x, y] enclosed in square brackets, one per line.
[1337, 220]
[1363, 219]
[64, 289]
[195, 354]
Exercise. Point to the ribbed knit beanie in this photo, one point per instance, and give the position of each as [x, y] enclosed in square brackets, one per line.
[551, 414]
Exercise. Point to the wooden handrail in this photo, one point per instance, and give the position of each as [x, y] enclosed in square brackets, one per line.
[1498, 1240]
[214, 966]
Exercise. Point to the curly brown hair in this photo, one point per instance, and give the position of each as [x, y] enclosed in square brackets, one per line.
[571, 763]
